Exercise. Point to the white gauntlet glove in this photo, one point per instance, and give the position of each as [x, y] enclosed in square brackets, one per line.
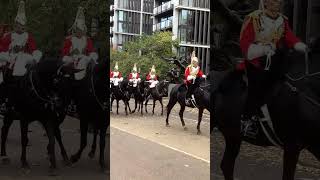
[301, 47]
[190, 78]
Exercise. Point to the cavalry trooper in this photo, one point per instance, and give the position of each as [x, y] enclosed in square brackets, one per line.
[134, 76]
[78, 50]
[192, 72]
[152, 77]
[18, 48]
[115, 75]
[264, 31]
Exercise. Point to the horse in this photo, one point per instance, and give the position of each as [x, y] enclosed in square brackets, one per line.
[89, 95]
[35, 96]
[137, 89]
[120, 92]
[292, 104]
[178, 94]
[156, 93]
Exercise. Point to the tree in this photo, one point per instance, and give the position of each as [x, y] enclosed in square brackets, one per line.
[50, 20]
[153, 48]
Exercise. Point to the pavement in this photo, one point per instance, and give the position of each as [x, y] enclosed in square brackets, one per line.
[85, 169]
[256, 162]
[143, 148]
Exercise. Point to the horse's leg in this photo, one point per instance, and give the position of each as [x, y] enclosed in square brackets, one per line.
[102, 149]
[141, 105]
[125, 106]
[7, 122]
[94, 143]
[62, 148]
[160, 100]
[135, 106]
[146, 104]
[290, 159]
[183, 107]
[24, 143]
[117, 106]
[199, 120]
[83, 143]
[233, 142]
[112, 99]
[170, 105]
[154, 105]
[51, 128]
[128, 105]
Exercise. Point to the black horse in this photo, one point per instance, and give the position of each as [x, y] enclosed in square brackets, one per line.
[120, 91]
[178, 94]
[89, 95]
[35, 96]
[293, 106]
[138, 94]
[156, 93]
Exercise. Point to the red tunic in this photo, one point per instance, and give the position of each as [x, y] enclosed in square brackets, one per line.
[248, 34]
[68, 44]
[5, 42]
[187, 73]
[131, 76]
[148, 78]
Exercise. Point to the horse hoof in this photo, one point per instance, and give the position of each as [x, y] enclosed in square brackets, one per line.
[74, 159]
[67, 163]
[5, 160]
[53, 172]
[91, 155]
[104, 170]
[25, 169]
[185, 128]
[167, 125]
[199, 133]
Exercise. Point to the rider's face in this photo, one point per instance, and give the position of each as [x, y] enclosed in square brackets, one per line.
[273, 5]
[18, 28]
[79, 33]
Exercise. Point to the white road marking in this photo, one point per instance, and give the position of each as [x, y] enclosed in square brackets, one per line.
[165, 145]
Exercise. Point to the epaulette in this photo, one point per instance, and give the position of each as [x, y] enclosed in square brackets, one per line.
[69, 37]
[255, 14]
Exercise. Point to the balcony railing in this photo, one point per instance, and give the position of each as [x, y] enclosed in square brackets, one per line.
[163, 8]
[162, 25]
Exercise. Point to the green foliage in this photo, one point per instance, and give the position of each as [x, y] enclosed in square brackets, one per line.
[153, 48]
[50, 20]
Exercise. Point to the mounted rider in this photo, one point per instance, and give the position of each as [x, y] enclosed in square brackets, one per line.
[192, 72]
[152, 77]
[134, 76]
[263, 32]
[115, 75]
[78, 50]
[18, 48]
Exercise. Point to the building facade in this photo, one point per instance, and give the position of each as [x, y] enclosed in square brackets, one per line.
[129, 19]
[189, 21]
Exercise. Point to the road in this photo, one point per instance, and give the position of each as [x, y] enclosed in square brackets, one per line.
[258, 163]
[85, 169]
[142, 147]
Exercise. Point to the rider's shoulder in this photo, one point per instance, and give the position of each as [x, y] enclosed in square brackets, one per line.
[253, 15]
[7, 34]
[284, 17]
[68, 37]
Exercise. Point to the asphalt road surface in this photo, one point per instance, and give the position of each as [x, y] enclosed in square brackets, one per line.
[85, 169]
[255, 162]
[143, 148]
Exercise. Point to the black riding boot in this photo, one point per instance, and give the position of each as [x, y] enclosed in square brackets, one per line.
[257, 87]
